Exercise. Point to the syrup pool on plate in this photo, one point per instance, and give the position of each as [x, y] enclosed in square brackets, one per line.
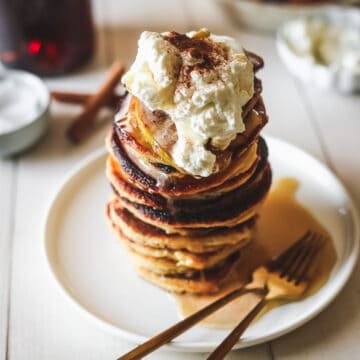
[282, 221]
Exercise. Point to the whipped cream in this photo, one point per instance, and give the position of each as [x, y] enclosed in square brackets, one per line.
[19, 103]
[326, 43]
[201, 81]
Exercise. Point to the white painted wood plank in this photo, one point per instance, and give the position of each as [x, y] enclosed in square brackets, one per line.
[334, 334]
[337, 119]
[7, 190]
[42, 325]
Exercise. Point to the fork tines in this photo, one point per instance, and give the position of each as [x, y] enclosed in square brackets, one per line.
[295, 262]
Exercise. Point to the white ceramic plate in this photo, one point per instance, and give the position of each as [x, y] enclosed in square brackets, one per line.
[94, 273]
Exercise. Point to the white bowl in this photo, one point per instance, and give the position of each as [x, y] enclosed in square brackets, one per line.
[313, 73]
[24, 136]
[266, 17]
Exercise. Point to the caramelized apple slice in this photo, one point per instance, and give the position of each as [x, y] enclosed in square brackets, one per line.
[149, 138]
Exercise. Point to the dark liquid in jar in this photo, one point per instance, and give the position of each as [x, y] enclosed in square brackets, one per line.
[47, 37]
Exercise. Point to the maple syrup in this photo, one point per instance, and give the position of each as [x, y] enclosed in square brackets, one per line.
[282, 221]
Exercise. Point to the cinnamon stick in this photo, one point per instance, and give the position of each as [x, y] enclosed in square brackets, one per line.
[83, 98]
[81, 126]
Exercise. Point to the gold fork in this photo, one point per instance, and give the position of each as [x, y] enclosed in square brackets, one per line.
[284, 277]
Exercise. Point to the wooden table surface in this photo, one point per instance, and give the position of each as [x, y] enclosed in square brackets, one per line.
[35, 321]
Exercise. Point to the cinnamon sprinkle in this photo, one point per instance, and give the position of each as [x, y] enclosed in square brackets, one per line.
[207, 53]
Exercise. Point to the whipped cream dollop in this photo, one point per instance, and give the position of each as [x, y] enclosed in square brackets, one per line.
[201, 81]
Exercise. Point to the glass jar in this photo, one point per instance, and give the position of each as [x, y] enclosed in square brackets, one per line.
[47, 37]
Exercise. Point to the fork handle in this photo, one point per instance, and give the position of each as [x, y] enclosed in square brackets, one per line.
[177, 329]
[228, 343]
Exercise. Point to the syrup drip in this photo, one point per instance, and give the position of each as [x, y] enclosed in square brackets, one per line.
[282, 221]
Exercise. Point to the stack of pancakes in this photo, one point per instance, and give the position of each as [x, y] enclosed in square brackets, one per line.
[184, 234]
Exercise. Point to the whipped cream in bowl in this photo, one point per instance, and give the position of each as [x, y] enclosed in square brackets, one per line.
[324, 50]
[201, 81]
[24, 110]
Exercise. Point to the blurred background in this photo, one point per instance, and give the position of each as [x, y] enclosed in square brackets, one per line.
[68, 40]
[51, 37]
[311, 84]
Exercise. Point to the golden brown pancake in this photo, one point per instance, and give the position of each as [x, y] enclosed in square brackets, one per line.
[167, 261]
[196, 241]
[228, 210]
[201, 282]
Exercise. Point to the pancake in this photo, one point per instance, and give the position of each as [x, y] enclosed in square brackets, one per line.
[135, 194]
[167, 261]
[229, 210]
[196, 241]
[178, 212]
[201, 282]
[185, 233]
[168, 186]
[256, 60]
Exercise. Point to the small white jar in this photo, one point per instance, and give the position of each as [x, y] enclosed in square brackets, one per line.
[24, 110]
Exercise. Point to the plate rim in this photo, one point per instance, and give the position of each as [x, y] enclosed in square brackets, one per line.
[187, 346]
